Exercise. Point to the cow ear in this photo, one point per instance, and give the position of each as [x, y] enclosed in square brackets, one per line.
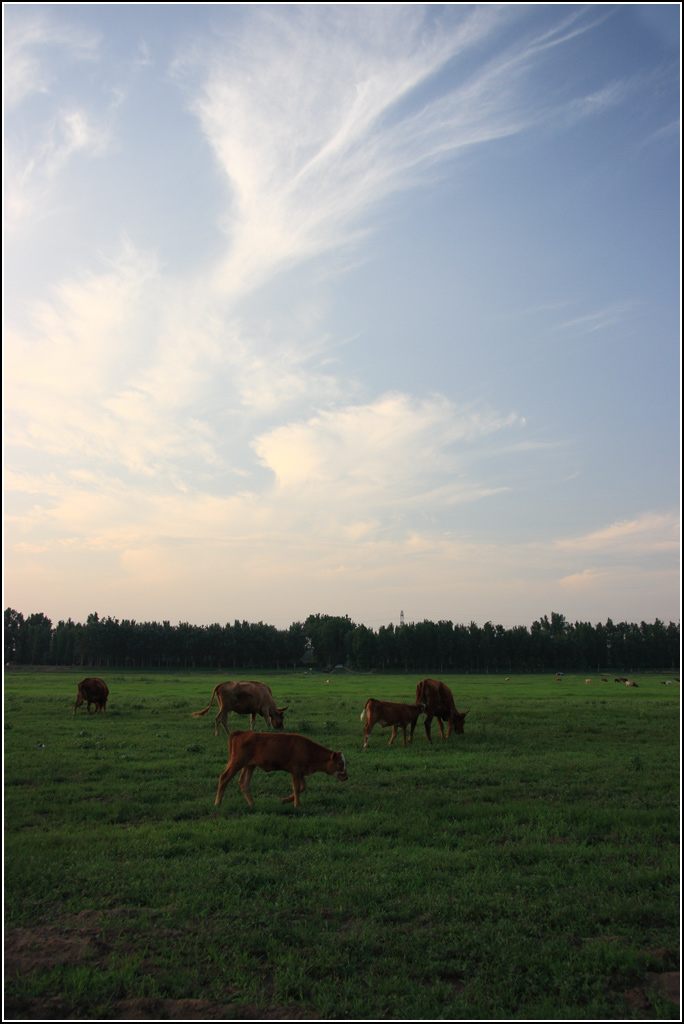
[285, 708]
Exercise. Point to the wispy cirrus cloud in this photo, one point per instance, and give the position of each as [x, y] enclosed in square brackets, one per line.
[653, 532]
[28, 44]
[308, 143]
[598, 320]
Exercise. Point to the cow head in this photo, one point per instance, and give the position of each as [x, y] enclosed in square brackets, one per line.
[337, 766]
[458, 720]
[278, 717]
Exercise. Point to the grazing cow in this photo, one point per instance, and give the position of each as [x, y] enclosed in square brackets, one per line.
[628, 682]
[588, 680]
[621, 679]
[244, 698]
[285, 752]
[92, 691]
[385, 713]
[439, 704]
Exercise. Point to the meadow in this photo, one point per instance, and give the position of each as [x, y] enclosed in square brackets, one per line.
[526, 869]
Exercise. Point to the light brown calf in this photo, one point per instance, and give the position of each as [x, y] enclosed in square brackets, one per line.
[273, 752]
[384, 713]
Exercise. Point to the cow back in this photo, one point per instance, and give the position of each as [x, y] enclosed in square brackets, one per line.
[284, 751]
[245, 697]
[436, 696]
[93, 688]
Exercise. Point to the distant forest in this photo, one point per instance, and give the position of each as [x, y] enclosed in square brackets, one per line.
[329, 641]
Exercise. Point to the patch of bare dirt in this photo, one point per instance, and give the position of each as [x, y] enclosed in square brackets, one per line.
[85, 936]
[89, 937]
[155, 1009]
[667, 984]
[203, 1009]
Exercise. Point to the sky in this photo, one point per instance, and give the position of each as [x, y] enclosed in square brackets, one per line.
[342, 308]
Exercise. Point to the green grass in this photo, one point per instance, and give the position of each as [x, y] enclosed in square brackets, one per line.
[527, 869]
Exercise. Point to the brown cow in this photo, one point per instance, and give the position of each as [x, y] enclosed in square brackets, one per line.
[385, 713]
[92, 691]
[439, 703]
[628, 682]
[285, 752]
[245, 697]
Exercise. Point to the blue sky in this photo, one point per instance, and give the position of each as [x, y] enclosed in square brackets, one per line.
[342, 308]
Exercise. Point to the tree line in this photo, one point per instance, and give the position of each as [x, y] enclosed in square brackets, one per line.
[329, 641]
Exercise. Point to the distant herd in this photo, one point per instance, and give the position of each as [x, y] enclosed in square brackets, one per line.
[296, 754]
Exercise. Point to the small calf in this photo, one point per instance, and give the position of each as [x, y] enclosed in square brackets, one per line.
[386, 713]
[273, 752]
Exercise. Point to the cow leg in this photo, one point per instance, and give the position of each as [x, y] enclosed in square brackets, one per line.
[441, 727]
[221, 718]
[79, 701]
[224, 778]
[244, 783]
[298, 786]
[252, 719]
[367, 730]
[394, 733]
[403, 733]
[428, 723]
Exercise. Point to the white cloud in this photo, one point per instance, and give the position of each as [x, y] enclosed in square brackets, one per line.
[28, 43]
[651, 533]
[609, 316]
[393, 451]
[315, 119]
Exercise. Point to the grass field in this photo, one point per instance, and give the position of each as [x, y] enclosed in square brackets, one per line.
[526, 869]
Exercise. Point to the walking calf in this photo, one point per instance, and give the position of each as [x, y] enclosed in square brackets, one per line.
[272, 752]
[385, 713]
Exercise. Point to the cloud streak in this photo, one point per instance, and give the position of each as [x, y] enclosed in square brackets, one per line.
[309, 142]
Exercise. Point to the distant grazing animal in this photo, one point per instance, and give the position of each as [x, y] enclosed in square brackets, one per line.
[384, 713]
[282, 752]
[588, 680]
[603, 679]
[628, 682]
[92, 691]
[245, 697]
[439, 704]
[621, 679]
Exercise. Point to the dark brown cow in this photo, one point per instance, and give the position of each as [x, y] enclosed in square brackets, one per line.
[439, 703]
[385, 713]
[285, 752]
[92, 691]
[245, 697]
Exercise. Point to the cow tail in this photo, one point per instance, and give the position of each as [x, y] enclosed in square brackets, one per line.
[363, 714]
[197, 714]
